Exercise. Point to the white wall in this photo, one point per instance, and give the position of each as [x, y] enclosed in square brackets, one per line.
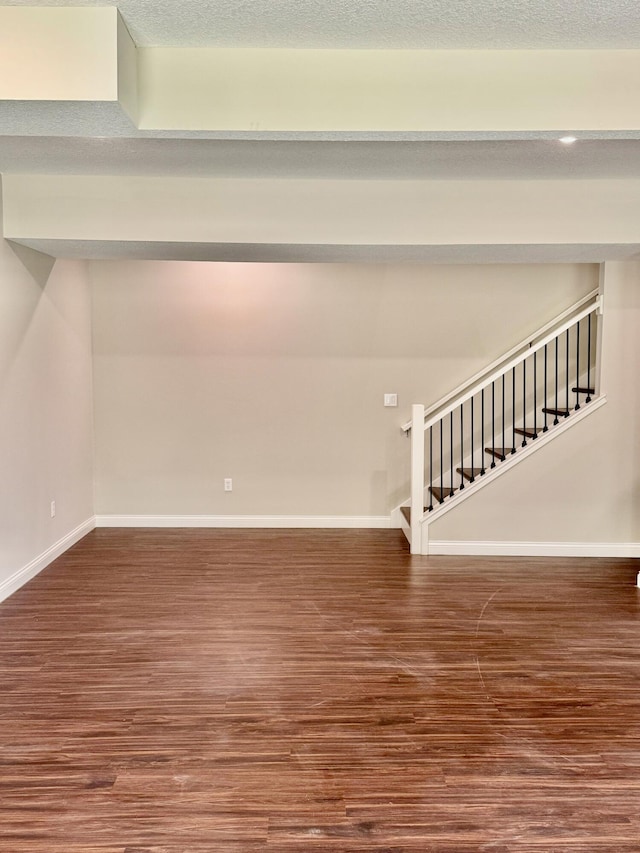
[585, 485]
[46, 450]
[274, 375]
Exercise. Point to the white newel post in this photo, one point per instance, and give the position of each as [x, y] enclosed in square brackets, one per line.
[600, 322]
[417, 476]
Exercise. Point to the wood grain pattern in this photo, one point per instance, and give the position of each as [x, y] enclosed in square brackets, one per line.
[500, 453]
[439, 494]
[177, 691]
[529, 432]
[470, 473]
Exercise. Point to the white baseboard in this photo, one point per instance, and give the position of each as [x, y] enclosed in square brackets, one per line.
[20, 578]
[534, 549]
[397, 519]
[335, 521]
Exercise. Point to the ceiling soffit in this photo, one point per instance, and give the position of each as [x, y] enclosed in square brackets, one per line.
[408, 96]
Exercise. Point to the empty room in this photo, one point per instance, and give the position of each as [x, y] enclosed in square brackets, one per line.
[319, 469]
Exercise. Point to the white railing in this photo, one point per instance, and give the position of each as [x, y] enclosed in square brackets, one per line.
[568, 360]
[477, 379]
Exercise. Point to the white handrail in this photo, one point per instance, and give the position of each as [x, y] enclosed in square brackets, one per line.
[505, 368]
[525, 344]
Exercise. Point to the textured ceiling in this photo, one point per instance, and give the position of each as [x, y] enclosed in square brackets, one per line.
[335, 160]
[465, 24]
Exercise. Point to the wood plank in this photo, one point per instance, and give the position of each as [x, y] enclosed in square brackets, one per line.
[470, 473]
[499, 452]
[166, 691]
[562, 412]
[529, 432]
[440, 494]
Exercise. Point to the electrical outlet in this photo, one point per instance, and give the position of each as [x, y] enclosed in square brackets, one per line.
[53, 509]
[228, 484]
[391, 399]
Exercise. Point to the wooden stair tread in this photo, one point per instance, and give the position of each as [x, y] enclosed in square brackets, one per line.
[499, 452]
[440, 494]
[530, 432]
[406, 512]
[470, 473]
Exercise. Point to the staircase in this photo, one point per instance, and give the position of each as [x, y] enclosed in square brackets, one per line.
[543, 386]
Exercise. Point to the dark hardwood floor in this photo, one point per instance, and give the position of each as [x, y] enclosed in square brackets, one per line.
[199, 690]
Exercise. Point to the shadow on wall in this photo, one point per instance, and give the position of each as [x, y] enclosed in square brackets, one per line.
[37, 264]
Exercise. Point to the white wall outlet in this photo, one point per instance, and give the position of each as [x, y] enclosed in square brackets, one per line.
[391, 399]
[53, 509]
[228, 484]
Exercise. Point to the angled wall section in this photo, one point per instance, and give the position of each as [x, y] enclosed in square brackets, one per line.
[46, 417]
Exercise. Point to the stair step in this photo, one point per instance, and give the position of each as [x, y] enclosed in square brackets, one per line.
[564, 413]
[440, 494]
[499, 452]
[470, 473]
[584, 390]
[406, 512]
[530, 432]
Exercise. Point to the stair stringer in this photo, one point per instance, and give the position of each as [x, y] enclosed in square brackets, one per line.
[492, 474]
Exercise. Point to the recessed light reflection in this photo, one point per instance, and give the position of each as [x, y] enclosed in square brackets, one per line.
[568, 140]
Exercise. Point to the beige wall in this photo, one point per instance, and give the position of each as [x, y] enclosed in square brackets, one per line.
[585, 485]
[319, 212]
[274, 375]
[46, 450]
[388, 90]
[67, 54]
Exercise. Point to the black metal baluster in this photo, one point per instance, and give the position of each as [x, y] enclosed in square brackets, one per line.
[535, 394]
[504, 431]
[577, 364]
[555, 419]
[430, 468]
[524, 401]
[461, 446]
[451, 450]
[441, 461]
[473, 476]
[513, 410]
[493, 423]
[566, 370]
[588, 400]
[482, 468]
[545, 428]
